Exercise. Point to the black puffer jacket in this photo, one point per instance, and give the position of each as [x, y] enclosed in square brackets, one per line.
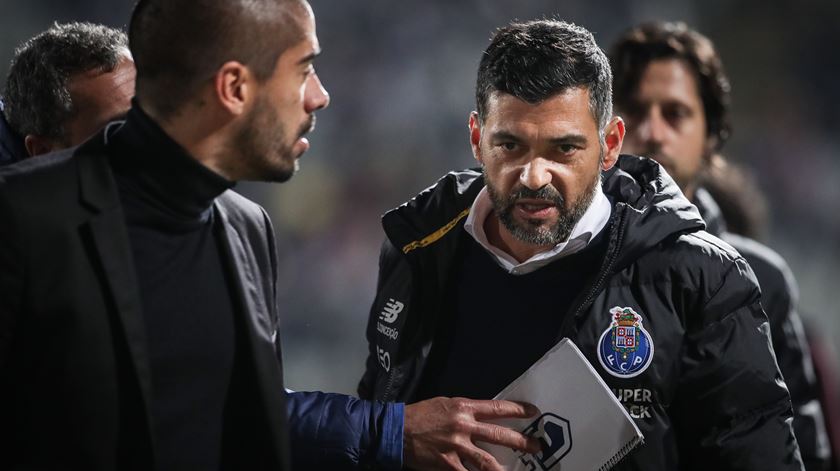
[704, 388]
[779, 298]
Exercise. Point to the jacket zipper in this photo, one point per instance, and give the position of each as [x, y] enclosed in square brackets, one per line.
[596, 287]
[386, 396]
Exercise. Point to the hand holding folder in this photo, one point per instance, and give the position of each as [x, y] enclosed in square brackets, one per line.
[581, 425]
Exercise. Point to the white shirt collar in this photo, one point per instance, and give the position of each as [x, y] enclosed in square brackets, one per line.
[590, 224]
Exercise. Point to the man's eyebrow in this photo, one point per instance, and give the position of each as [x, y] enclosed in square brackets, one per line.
[576, 139]
[504, 135]
[309, 57]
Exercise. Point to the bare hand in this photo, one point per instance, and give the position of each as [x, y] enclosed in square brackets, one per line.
[439, 433]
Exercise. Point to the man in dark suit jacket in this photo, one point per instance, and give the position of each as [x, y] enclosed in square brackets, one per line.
[138, 310]
[138, 316]
[78, 384]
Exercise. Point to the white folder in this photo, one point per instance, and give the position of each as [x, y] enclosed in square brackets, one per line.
[581, 424]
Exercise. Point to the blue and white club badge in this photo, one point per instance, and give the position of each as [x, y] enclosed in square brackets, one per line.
[625, 349]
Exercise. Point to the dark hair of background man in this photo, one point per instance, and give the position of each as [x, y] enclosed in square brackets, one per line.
[179, 44]
[536, 60]
[37, 100]
[656, 41]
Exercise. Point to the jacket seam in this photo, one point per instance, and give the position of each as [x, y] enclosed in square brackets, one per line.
[717, 290]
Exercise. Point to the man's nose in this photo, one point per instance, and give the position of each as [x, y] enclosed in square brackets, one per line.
[535, 174]
[316, 96]
[651, 128]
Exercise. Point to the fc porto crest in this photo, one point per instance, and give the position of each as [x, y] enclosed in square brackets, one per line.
[625, 349]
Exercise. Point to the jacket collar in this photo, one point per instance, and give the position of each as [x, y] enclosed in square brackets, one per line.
[109, 235]
[655, 208]
[710, 211]
[97, 187]
[259, 330]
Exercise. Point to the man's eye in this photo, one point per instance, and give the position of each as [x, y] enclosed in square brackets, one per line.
[675, 114]
[568, 148]
[509, 146]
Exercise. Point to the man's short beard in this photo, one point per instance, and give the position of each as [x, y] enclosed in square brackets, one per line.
[261, 141]
[531, 232]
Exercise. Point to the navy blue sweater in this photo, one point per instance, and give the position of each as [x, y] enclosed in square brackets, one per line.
[500, 324]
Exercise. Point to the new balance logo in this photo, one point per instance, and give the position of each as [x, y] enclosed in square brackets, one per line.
[384, 359]
[389, 332]
[392, 310]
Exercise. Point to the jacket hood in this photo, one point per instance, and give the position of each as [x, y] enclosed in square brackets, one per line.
[652, 204]
[654, 207]
[430, 216]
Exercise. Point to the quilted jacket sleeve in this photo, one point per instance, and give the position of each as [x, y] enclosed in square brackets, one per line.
[734, 410]
[338, 432]
[779, 300]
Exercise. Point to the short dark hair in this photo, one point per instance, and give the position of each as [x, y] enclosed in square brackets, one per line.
[536, 60]
[179, 44]
[640, 45]
[37, 98]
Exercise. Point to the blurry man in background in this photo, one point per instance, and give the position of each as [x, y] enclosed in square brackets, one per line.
[670, 87]
[64, 85]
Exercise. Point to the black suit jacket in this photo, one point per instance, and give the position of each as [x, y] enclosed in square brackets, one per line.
[74, 372]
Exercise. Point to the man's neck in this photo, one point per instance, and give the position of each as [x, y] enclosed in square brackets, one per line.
[202, 139]
[500, 237]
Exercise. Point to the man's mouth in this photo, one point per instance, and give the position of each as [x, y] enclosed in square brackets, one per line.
[307, 127]
[536, 209]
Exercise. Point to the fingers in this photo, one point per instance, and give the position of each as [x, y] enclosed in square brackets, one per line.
[502, 436]
[481, 460]
[496, 409]
[440, 433]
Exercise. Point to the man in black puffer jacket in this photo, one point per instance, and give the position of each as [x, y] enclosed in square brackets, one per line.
[560, 236]
[671, 87]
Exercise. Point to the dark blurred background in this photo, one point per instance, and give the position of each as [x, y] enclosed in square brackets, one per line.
[401, 77]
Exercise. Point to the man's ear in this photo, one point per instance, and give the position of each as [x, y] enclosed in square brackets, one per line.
[710, 150]
[38, 145]
[233, 87]
[475, 136]
[613, 138]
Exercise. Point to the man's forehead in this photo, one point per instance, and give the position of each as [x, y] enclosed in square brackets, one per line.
[569, 97]
[671, 77]
[97, 83]
[570, 107]
[307, 43]
[302, 52]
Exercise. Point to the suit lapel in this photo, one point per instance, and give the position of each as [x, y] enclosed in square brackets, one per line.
[109, 234]
[259, 328]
